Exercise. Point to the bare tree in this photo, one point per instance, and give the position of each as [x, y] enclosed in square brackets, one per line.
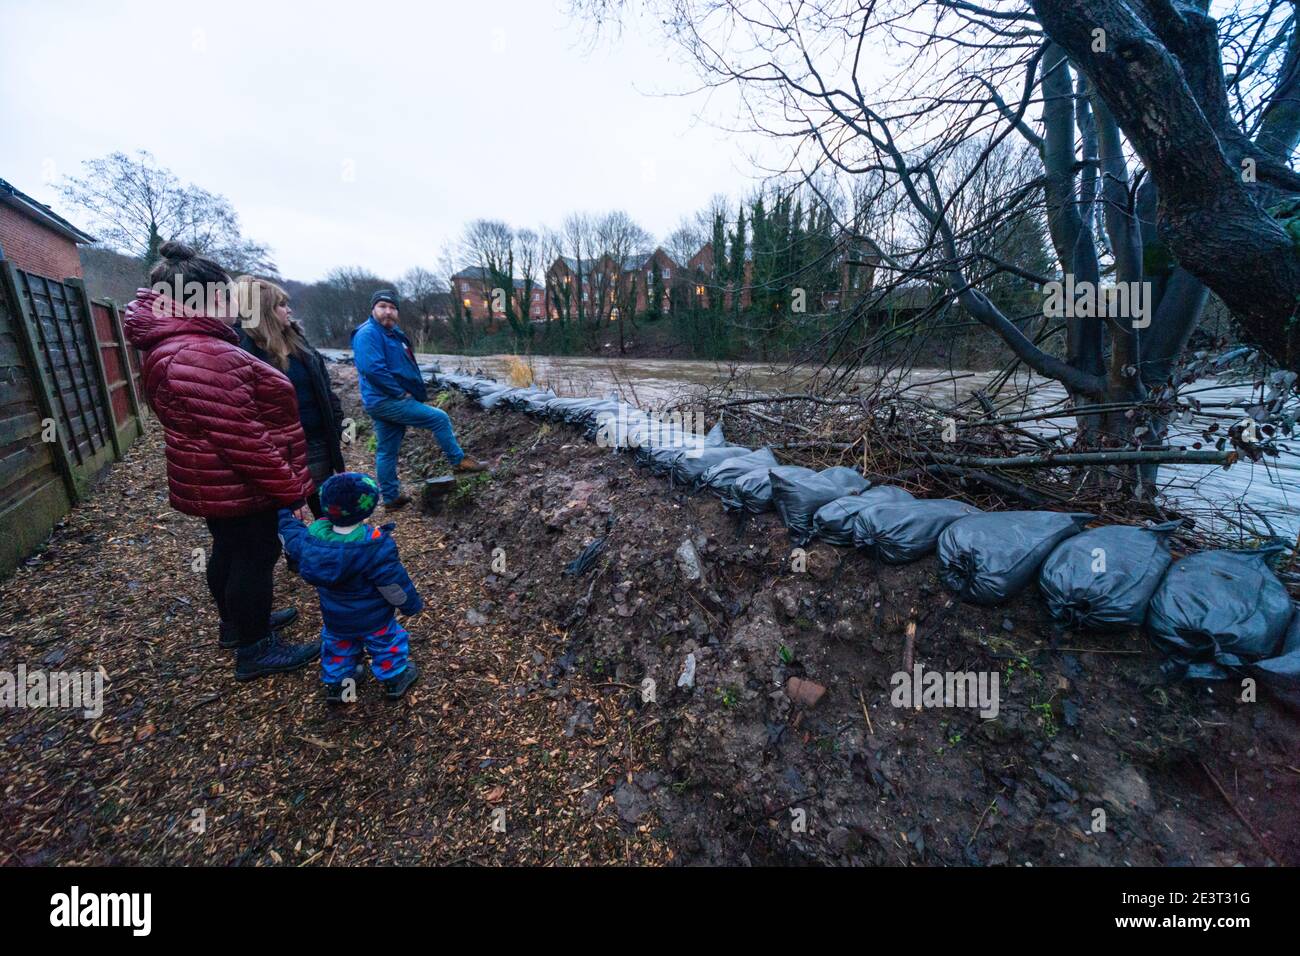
[462, 323]
[331, 309]
[134, 206]
[1148, 173]
[530, 263]
[490, 243]
[620, 240]
[420, 290]
[579, 237]
[684, 241]
[559, 295]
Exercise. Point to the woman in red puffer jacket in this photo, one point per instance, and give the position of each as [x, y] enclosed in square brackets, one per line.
[235, 449]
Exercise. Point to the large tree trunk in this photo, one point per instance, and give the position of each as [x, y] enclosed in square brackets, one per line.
[1162, 79]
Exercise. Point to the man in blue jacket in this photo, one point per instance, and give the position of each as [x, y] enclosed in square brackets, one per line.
[393, 391]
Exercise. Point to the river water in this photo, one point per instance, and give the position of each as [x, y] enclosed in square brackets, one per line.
[1242, 493]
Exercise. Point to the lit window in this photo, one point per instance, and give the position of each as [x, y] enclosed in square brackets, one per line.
[699, 290]
[467, 303]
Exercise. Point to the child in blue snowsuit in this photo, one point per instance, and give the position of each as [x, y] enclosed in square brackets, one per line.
[361, 583]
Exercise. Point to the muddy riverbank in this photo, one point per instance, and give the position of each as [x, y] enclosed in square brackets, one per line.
[788, 748]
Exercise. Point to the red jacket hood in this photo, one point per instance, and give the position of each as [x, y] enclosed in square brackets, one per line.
[151, 317]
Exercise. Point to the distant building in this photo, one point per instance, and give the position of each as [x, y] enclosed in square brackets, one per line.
[473, 288]
[600, 281]
[37, 239]
[604, 279]
[701, 266]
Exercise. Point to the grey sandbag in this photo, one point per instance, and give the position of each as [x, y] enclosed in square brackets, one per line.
[899, 532]
[689, 467]
[556, 408]
[988, 557]
[1104, 578]
[493, 398]
[723, 475]
[833, 522]
[528, 400]
[1281, 673]
[585, 412]
[1217, 610]
[796, 498]
[662, 446]
[752, 491]
[621, 427]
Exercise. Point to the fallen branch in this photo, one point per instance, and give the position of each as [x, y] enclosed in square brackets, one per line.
[1185, 456]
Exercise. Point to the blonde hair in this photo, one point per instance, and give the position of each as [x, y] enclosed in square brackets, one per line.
[258, 300]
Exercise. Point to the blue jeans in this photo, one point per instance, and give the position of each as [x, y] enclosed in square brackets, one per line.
[391, 416]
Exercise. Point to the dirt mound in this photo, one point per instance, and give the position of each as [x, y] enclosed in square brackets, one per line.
[1090, 759]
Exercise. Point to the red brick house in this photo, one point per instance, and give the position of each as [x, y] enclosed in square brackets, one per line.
[701, 265]
[643, 266]
[37, 239]
[471, 286]
[856, 259]
[607, 283]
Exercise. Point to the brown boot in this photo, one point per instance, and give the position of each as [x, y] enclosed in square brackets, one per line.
[393, 504]
[468, 465]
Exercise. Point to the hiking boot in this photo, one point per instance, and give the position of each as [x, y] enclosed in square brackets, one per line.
[283, 618]
[395, 687]
[334, 692]
[393, 504]
[228, 636]
[468, 466]
[271, 655]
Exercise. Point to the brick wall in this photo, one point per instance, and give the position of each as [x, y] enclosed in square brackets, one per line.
[34, 247]
[474, 298]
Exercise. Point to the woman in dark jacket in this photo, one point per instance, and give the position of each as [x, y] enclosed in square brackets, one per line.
[235, 449]
[269, 332]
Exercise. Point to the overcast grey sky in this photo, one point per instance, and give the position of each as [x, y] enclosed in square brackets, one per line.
[366, 133]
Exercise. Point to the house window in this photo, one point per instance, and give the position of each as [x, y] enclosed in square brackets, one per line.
[466, 303]
[668, 274]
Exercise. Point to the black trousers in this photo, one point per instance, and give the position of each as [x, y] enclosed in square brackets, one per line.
[240, 571]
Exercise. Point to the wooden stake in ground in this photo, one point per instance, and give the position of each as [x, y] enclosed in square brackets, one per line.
[909, 641]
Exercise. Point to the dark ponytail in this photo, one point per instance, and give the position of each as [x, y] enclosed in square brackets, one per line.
[179, 264]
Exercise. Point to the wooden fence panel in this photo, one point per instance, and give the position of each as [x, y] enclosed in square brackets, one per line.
[69, 402]
[36, 486]
[119, 367]
[70, 359]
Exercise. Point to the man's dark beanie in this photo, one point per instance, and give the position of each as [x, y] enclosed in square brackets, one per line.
[384, 295]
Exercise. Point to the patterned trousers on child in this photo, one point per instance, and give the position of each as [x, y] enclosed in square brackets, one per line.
[389, 650]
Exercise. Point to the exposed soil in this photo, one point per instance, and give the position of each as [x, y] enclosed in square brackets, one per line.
[533, 700]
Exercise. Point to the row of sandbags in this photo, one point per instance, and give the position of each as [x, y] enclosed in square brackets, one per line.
[1212, 613]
